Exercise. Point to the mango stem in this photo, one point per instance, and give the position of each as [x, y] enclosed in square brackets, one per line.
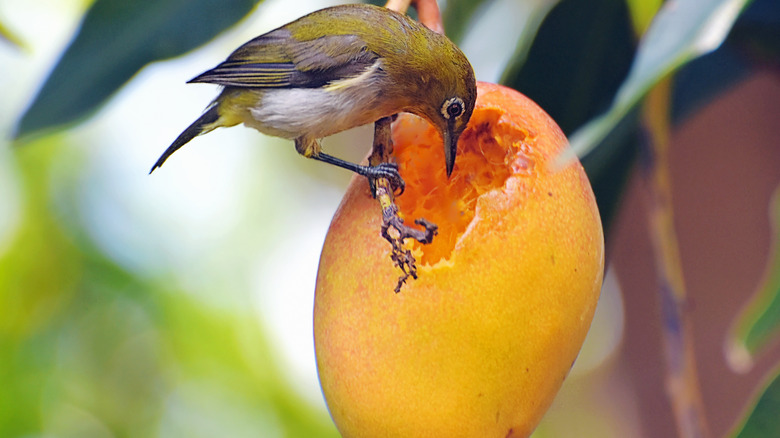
[427, 12]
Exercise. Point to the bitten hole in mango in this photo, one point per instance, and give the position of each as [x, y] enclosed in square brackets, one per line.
[489, 151]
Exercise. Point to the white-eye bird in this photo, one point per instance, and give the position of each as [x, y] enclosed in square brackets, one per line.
[335, 69]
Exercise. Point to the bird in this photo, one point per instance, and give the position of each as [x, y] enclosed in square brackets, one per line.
[335, 69]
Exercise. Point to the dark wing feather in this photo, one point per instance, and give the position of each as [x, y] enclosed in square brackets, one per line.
[276, 60]
[247, 74]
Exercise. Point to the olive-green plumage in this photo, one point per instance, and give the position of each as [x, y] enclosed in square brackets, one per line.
[335, 69]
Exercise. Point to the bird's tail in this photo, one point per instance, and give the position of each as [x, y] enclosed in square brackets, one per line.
[205, 123]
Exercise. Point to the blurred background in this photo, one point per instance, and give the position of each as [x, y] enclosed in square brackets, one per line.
[180, 304]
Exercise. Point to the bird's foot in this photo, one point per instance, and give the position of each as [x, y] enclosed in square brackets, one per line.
[402, 256]
[388, 171]
[384, 183]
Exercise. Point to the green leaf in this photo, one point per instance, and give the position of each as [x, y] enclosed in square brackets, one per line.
[116, 39]
[642, 13]
[579, 57]
[758, 324]
[763, 420]
[529, 16]
[681, 31]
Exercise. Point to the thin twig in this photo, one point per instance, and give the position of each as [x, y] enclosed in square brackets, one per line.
[398, 5]
[682, 379]
[427, 12]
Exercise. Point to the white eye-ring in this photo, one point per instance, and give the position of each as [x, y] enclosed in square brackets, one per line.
[452, 108]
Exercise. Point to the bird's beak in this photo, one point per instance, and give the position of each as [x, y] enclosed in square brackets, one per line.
[450, 149]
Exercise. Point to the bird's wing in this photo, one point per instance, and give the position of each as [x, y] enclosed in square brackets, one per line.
[275, 60]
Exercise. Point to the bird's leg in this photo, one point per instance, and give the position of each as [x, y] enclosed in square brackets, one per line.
[383, 191]
[382, 151]
[385, 170]
[310, 148]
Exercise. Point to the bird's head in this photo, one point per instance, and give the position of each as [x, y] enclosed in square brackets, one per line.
[448, 101]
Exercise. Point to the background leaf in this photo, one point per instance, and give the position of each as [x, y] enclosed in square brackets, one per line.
[578, 60]
[761, 421]
[116, 39]
[759, 323]
[642, 13]
[681, 31]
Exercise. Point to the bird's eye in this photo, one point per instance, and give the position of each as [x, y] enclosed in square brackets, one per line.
[452, 108]
[455, 109]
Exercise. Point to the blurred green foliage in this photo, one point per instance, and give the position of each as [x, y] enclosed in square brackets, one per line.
[578, 60]
[755, 329]
[762, 420]
[116, 39]
[88, 348]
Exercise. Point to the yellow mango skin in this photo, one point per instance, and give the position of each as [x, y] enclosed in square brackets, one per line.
[479, 345]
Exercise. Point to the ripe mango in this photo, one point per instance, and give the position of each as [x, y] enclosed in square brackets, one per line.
[479, 345]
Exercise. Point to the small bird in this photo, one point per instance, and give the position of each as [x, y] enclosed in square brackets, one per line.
[335, 69]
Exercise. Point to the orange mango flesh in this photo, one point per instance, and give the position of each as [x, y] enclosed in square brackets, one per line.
[479, 345]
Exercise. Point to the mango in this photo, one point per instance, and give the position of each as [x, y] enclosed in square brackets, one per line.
[480, 343]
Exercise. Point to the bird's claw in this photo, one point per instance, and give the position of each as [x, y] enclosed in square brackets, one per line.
[388, 171]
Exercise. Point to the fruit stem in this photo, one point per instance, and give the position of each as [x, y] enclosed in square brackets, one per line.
[427, 12]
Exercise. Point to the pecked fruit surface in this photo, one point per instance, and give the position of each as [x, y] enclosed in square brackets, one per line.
[479, 345]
